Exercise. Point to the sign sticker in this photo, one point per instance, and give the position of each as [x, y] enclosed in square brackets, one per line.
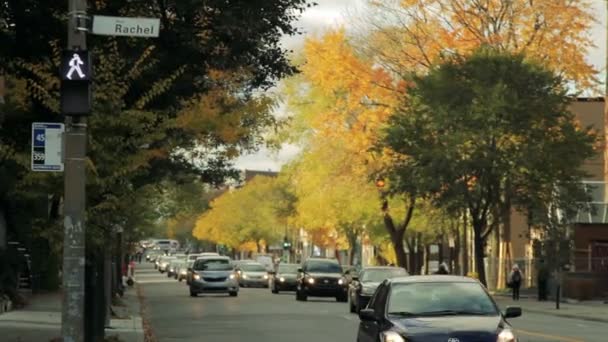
[47, 147]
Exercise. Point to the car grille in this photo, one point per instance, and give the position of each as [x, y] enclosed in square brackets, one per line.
[214, 279]
[326, 281]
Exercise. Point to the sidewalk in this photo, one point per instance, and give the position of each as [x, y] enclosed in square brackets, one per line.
[40, 320]
[595, 311]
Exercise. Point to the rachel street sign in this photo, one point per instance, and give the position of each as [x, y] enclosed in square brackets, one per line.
[122, 26]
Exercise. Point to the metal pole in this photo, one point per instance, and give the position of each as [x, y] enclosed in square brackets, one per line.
[73, 312]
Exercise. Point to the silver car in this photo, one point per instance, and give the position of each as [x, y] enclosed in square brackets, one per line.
[253, 274]
[163, 263]
[213, 274]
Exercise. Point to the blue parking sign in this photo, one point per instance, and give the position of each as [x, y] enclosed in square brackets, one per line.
[47, 147]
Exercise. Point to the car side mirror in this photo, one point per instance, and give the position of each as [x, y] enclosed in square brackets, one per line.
[300, 270]
[368, 315]
[512, 312]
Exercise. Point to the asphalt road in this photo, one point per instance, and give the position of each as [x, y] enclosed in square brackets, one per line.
[256, 315]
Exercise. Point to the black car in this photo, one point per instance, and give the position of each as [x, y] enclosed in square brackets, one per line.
[434, 309]
[363, 286]
[321, 278]
[284, 278]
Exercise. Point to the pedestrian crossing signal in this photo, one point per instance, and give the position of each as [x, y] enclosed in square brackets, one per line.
[76, 97]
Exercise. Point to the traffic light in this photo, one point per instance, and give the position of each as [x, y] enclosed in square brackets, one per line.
[76, 98]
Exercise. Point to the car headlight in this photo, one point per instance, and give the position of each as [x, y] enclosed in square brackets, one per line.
[282, 279]
[391, 336]
[341, 281]
[197, 277]
[184, 272]
[232, 276]
[265, 276]
[244, 276]
[506, 336]
[311, 280]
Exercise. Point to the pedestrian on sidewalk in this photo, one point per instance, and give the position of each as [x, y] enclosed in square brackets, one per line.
[514, 281]
[542, 280]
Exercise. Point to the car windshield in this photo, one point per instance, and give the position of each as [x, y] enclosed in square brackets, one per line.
[440, 298]
[377, 276]
[213, 265]
[288, 268]
[323, 267]
[253, 267]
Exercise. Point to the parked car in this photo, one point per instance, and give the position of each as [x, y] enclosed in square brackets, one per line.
[213, 274]
[434, 308]
[252, 274]
[321, 278]
[284, 278]
[363, 286]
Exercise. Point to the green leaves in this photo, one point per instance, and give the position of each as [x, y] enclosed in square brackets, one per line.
[475, 132]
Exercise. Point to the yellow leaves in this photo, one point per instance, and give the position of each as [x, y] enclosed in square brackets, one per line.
[244, 215]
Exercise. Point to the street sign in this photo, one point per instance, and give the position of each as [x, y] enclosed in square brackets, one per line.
[123, 26]
[47, 147]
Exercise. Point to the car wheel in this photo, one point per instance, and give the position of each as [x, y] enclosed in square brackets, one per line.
[193, 293]
[234, 294]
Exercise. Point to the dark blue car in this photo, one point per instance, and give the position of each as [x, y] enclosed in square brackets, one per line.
[435, 308]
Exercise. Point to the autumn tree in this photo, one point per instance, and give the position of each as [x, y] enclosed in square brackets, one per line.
[411, 35]
[339, 102]
[249, 215]
[476, 129]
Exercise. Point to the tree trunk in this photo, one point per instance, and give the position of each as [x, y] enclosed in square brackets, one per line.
[465, 244]
[3, 228]
[479, 254]
[398, 246]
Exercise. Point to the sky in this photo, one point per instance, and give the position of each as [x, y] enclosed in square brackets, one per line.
[332, 13]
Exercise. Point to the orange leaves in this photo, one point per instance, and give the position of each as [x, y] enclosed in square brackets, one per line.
[415, 33]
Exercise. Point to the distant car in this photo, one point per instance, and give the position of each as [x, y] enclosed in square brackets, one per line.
[321, 278]
[163, 263]
[252, 274]
[284, 278]
[363, 286]
[173, 264]
[434, 308]
[213, 274]
[181, 270]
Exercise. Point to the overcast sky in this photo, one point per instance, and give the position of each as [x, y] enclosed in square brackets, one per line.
[332, 13]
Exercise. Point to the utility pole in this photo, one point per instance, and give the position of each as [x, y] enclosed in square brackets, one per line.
[73, 310]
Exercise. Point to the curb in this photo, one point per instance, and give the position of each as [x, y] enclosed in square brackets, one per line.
[565, 315]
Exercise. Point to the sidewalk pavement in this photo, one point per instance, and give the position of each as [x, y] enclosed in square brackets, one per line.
[595, 311]
[40, 320]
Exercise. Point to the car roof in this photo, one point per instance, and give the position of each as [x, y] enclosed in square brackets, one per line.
[322, 259]
[440, 278]
[382, 268]
[208, 257]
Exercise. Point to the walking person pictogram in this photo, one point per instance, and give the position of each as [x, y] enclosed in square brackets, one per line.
[75, 64]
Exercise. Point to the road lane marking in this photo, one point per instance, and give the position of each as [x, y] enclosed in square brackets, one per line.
[549, 337]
